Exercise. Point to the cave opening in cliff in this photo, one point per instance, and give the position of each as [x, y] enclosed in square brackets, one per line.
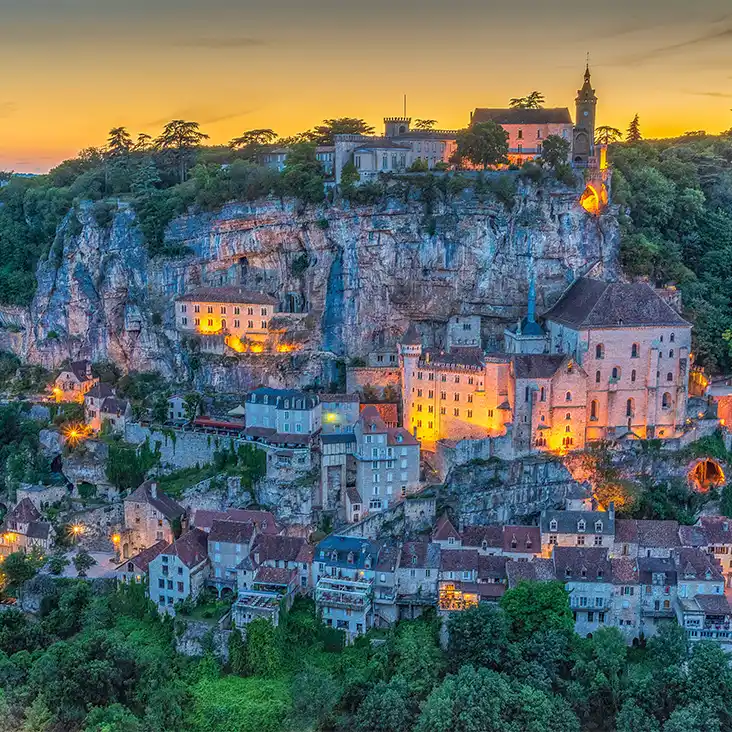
[707, 474]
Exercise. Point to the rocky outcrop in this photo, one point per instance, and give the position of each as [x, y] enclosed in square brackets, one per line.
[360, 273]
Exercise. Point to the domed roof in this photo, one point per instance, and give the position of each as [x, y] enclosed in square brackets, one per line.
[531, 328]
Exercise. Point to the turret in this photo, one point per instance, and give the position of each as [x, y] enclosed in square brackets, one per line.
[583, 148]
[410, 351]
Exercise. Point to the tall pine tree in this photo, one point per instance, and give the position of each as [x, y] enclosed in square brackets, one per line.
[634, 133]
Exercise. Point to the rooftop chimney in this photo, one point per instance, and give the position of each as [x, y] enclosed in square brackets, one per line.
[154, 489]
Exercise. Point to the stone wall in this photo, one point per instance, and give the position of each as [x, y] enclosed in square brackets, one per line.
[450, 454]
[359, 377]
[185, 450]
[195, 637]
[291, 503]
[39, 495]
[376, 525]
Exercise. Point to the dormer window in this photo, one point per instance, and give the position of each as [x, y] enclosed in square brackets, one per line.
[334, 556]
[287, 403]
[598, 527]
[373, 427]
[514, 543]
[708, 575]
[414, 560]
[725, 526]
[399, 438]
[568, 572]
[581, 525]
[350, 557]
[553, 525]
[484, 544]
[528, 542]
[599, 574]
[367, 563]
[584, 572]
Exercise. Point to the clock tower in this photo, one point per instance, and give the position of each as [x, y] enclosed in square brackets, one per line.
[583, 147]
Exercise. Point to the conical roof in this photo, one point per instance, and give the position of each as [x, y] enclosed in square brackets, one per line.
[411, 337]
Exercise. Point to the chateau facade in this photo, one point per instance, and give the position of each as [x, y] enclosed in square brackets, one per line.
[611, 360]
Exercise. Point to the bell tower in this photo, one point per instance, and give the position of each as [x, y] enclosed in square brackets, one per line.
[583, 147]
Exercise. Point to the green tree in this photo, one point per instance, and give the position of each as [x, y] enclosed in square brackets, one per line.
[634, 132]
[349, 175]
[180, 138]
[193, 402]
[237, 654]
[325, 134]
[83, 561]
[534, 100]
[18, 568]
[38, 718]
[314, 698]
[725, 504]
[479, 636]
[114, 718]
[303, 176]
[417, 657]
[385, 708]
[633, 718]
[144, 143]
[254, 137]
[146, 178]
[119, 142]
[533, 606]
[57, 563]
[425, 124]
[483, 144]
[605, 135]
[555, 151]
[263, 649]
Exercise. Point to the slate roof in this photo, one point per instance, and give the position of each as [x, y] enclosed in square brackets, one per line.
[696, 564]
[444, 529]
[510, 116]
[113, 405]
[537, 365]
[277, 398]
[420, 555]
[38, 530]
[100, 391]
[342, 546]
[24, 512]
[388, 557]
[170, 508]
[527, 538]
[596, 304]
[264, 520]
[80, 370]
[411, 336]
[648, 566]
[338, 398]
[567, 522]
[334, 438]
[625, 571]
[717, 529]
[475, 535]
[713, 604]
[466, 357]
[231, 532]
[191, 548]
[227, 295]
[143, 559]
[381, 145]
[580, 564]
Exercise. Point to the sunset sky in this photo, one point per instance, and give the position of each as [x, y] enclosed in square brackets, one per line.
[71, 69]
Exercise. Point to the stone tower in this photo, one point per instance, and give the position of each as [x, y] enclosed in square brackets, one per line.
[583, 144]
[410, 351]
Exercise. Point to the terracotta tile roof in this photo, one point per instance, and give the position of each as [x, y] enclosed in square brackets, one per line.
[263, 520]
[227, 295]
[475, 536]
[575, 564]
[444, 529]
[387, 559]
[491, 590]
[512, 116]
[143, 559]
[626, 531]
[231, 532]
[658, 534]
[353, 495]
[718, 529]
[191, 548]
[274, 575]
[464, 357]
[148, 492]
[491, 568]
[458, 560]
[625, 571]
[338, 398]
[371, 419]
[693, 536]
[400, 436]
[388, 412]
[306, 554]
[537, 365]
[24, 512]
[526, 539]
[696, 564]
[713, 604]
[420, 555]
[596, 304]
[268, 547]
[541, 570]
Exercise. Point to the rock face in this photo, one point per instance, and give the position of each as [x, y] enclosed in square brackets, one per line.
[359, 273]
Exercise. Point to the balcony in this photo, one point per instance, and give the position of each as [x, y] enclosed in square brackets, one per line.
[652, 612]
[355, 595]
[606, 603]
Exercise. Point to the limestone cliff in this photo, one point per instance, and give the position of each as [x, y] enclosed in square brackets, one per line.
[360, 273]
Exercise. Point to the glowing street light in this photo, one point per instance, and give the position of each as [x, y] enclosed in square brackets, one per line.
[76, 433]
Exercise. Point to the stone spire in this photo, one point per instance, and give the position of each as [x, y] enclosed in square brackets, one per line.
[531, 310]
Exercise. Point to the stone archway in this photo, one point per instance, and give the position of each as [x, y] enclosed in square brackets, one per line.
[226, 593]
[706, 473]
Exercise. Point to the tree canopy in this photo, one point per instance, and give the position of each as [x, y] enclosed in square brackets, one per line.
[483, 144]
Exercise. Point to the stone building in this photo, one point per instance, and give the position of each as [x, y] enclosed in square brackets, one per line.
[339, 412]
[577, 529]
[417, 577]
[72, 383]
[712, 534]
[229, 542]
[135, 568]
[239, 318]
[23, 530]
[179, 571]
[286, 411]
[658, 591]
[102, 407]
[150, 516]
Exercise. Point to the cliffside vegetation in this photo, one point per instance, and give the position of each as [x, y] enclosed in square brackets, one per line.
[99, 661]
[678, 228]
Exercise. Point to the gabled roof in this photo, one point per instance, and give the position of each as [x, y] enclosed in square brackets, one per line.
[170, 508]
[336, 550]
[444, 529]
[420, 555]
[191, 548]
[567, 522]
[512, 116]
[39, 530]
[80, 369]
[478, 536]
[717, 529]
[696, 564]
[541, 570]
[596, 304]
[491, 568]
[24, 512]
[713, 604]
[526, 538]
[143, 559]
[387, 411]
[537, 365]
[227, 295]
[458, 560]
[263, 520]
[113, 405]
[231, 532]
[411, 336]
[100, 391]
[268, 547]
[648, 566]
[580, 564]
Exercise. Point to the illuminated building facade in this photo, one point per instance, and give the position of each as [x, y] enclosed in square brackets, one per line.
[23, 530]
[75, 381]
[240, 318]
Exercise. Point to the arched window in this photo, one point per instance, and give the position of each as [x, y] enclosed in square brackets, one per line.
[672, 338]
[568, 396]
[597, 377]
[568, 415]
[526, 394]
[666, 400]
[632, 375]
[543, 394]
[223, 324]
[616, 372]
[671, 353]
[567, 429]
[634, 351]
[669, 376]
[629, 408]
[593, 409]
[599, 351]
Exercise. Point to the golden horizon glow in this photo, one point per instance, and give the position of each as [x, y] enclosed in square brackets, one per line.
[89, 66]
